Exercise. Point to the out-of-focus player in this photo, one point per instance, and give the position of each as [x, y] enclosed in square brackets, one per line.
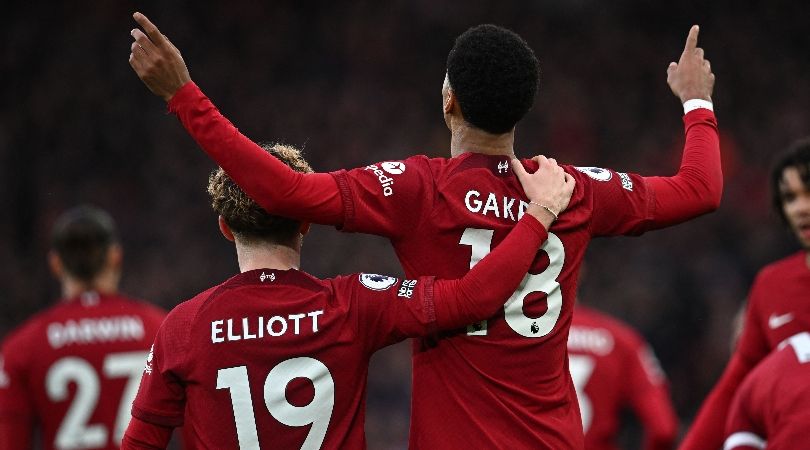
[613, 368]
[276, 358]
[778, 303]
[72, 370]
[504, 382]
[771, 409]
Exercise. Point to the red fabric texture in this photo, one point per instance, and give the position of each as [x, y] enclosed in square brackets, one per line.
[617, 370]
[142, 435]
[777, 309]
[442, 215]
[772, 401]
[94, 345]
[340, 323]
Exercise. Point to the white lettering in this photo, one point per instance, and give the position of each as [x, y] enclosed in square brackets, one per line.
[273, 320]
[314, 315]
[507, 208]
[231, 336]
[223, 330]
[94, 331]
[216, 331]
[492, 205]
[246, 329]
[594, 340]
[385, 180]
[476, 202]
[522, 209]
[295, 318]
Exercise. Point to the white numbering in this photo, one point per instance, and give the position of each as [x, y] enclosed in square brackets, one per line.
[75, 431]
[318, 412]
[581, 370]
[546, 281]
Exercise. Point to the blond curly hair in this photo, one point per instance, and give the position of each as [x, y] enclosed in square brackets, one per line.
[246, 219]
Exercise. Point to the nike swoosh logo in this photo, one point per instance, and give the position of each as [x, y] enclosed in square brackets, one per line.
[776, 321]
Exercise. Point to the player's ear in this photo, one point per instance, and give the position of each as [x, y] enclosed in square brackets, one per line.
[225, 229]
[448, 97]
[449, 101]
[304, 228]
[55, 264]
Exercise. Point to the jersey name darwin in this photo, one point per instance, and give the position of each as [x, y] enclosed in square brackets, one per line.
[95, 331]
[501, 207]
[246, 328]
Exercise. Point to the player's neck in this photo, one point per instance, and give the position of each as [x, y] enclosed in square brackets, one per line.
[104, 283]
[267, 256]
[467, 139]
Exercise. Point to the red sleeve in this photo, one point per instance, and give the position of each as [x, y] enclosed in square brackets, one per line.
[742, 429]
[389, 198]
[142, 435]
[161, 397]
[753, 343]
[391, 310]
[632, 204]
[649, 398]
[485, 288]
[707, 430]
[16, 402]
[277, 188]
[698, 186]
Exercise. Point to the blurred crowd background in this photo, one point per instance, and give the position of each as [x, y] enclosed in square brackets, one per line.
[356, 82]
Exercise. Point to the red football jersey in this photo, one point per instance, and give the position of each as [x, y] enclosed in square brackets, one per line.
[502, 383]
[613, 368]
[274, 359]
[74, 369]
[778, 308]
[772, 407]
[442, 215]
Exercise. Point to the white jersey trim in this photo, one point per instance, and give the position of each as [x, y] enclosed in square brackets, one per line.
[744, 438]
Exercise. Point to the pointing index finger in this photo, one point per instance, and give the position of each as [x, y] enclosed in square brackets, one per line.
[149, 28]
[691, 40]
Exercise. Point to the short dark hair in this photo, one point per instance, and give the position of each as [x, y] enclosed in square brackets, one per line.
[494, 75]
[81, 237]
[244, 216]
[797, 156]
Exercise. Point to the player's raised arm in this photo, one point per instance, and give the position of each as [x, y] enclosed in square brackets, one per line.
[484, 289]
[278, 189]
[698, 186]
[632, 204]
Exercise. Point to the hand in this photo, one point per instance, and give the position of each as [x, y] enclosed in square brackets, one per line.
[550, 186]
[691, 77]
[157, 62]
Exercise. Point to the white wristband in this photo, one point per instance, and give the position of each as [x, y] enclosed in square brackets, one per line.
[695, 103]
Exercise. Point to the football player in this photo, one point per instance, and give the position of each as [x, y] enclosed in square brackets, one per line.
[276, 358]
[442, 215]
[72, 371]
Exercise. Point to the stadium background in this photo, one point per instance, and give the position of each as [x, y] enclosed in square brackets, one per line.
[358, 82]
